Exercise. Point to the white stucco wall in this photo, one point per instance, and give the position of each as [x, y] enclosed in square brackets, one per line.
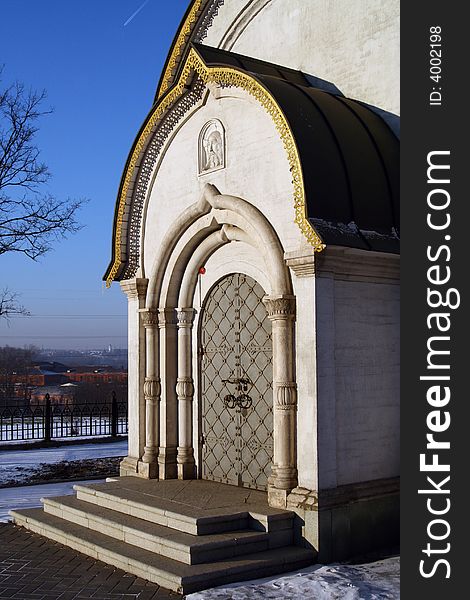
[256, 170]
[354, 45]
[306, 373]
[358, 380]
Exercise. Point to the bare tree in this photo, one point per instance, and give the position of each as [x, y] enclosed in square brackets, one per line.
[15, 364]
[30, 220]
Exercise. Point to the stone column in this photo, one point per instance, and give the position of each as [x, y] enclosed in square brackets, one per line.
[185, 393]
[135, 290]
[148, 466]
[167, 468]
[281, 312]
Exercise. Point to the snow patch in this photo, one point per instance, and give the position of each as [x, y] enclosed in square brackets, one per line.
[30, 496]
[373, 581]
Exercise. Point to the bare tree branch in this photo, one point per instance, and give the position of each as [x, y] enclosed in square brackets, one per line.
[10, 305]
[31, 220]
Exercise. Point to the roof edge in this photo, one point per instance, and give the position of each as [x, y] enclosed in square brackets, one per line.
[193, 62]
[196, 13]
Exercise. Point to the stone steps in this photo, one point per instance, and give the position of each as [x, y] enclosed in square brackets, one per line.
[172, 574]
[169, 542]
[182, 535]
[197, 520]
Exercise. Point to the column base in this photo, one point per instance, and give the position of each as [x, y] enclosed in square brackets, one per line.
[284, 478]
[150, 454]
[185, 461]
[148, 470]
[128, 466]
[187, 471]
[167, 467]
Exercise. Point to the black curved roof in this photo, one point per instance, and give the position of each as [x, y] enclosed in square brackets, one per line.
[349, 155]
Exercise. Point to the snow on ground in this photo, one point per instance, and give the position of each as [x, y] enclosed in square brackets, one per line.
[19, 465]
[71, 452]
[373, 581]
[30, 496]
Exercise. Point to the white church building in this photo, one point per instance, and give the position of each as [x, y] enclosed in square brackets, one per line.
[256, 236]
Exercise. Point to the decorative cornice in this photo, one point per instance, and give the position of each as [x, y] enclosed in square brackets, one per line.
[178, 46]
[226, 77]
[209, 10]
[131, 246]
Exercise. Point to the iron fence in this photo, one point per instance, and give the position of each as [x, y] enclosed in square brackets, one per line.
[47, 421]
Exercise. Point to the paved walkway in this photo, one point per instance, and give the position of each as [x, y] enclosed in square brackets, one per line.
[35, 568]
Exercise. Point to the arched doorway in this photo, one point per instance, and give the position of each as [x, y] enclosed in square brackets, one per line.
[236, 375]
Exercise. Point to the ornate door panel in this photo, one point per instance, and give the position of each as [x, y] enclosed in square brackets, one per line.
[236, 384]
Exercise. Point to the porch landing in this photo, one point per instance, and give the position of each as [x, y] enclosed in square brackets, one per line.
[183, 535]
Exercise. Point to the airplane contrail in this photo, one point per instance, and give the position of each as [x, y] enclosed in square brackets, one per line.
[135, 13]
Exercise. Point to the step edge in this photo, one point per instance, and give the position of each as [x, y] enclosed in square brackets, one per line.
[184, 582]
[200, 545]
[101, 550]
[169, 513]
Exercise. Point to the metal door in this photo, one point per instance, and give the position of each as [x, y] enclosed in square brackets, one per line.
[236, 384]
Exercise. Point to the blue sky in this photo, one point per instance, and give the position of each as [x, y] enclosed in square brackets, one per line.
[100, 76]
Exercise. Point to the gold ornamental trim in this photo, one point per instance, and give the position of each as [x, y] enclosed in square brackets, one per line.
[225, 76]
[178, 46]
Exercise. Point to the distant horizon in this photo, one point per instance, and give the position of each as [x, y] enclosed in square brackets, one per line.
[57, 350]
[14, 341]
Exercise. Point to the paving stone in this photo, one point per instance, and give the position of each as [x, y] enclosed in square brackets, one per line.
[33, 568]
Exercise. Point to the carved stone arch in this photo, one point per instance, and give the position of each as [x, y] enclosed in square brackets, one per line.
[174, 268]
[214, 221]
[228, 233]
[254, 222]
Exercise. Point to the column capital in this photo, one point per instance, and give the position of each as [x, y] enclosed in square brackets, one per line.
[149, 317]
[301, 261]
[185, 317]
[135, 288]
[280, 307]
[167, 317]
